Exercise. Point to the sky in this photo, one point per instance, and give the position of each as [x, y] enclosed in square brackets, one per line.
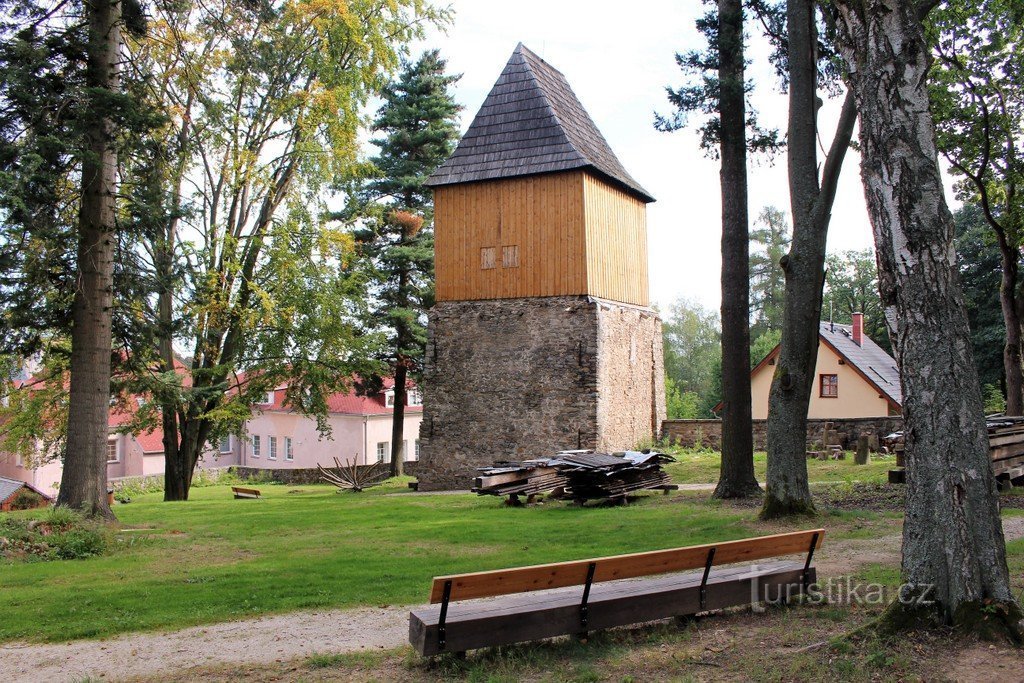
[619, 59]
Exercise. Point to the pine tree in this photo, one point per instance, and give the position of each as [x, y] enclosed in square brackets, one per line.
[767, 280]
[395, 212]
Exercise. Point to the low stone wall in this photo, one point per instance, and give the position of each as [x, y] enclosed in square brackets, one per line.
[156, 481]
[297, 476]
[708, 433]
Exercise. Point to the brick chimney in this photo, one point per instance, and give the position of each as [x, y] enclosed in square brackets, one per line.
[858, 329]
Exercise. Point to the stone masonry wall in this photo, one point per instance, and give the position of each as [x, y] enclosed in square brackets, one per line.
[631, 376]
[708, 433]
[520, 378]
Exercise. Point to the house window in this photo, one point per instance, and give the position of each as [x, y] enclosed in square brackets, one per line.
[288, 448]
[487, 258]
[112, 451]
[255, 446]
[830, 386]
[383, 451]
[225, 444]
[405, 450]
[417, 446]
[389, 399]
[510, 256]
[273, 447]
[415, 397]
[269, 398]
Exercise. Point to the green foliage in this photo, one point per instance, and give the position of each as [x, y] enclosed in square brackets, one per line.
[681, 405]
[693, 353]
[979, 260]
[26, 499]
[391, 211]
[995, 401]
[851, 286]
[700, 93]
[976, 86]
[262, 109]
[769, 242]
[58, 534]
[763, 345]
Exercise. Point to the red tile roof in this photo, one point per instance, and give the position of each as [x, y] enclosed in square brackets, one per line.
[348, 403]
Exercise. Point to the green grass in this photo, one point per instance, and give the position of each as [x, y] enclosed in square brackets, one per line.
[701, 467]
[214, 558]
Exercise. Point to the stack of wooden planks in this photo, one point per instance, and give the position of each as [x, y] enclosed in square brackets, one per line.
[579, 475]
[1006, 446]
[518, 479]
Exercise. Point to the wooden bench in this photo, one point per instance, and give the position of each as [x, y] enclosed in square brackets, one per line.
[572, 604]
[245, 493]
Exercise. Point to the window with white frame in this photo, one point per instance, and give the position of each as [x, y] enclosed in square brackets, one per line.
[389, 399]
[405, 450]
[417, 449]
[269, 398]
[225, 444]
[256, 446]
[288, 455]
[383, 451]
[415, 397]
[272, 451]
[112, 451]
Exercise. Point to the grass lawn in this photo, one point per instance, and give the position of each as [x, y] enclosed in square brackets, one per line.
[214, 558]
[701, 467]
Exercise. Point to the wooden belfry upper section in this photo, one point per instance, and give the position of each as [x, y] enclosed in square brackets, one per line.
[533, 202]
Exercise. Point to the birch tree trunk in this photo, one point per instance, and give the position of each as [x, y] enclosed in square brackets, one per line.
[787, 490]
[84, 479]
[737, 477]
[954, 555]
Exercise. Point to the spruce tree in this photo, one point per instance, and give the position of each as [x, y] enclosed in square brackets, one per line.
[394, 210]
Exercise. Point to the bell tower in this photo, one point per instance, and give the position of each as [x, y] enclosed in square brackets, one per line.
[542, 337]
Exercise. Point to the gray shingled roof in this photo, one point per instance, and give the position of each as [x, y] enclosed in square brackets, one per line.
[532, 122]
[8, 487]
[869, 358]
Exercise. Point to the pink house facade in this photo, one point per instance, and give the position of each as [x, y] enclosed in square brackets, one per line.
[275, 438]
[360, 431]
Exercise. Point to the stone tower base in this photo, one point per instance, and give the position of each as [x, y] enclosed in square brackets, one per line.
[524, 378]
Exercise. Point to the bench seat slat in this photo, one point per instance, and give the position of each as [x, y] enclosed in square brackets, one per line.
[531, 617]
[472, 609]
[561, 574]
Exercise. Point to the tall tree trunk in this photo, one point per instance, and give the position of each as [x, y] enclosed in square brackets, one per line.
[787, 490]
[1012, 320]
[737, 476]
[84, 480]
[954, 555]
[398, 418]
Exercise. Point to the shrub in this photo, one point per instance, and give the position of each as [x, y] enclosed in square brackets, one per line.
[59, 534]
[26, 499]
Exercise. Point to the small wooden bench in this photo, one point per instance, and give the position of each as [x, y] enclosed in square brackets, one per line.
[572, 604]
[245, 493]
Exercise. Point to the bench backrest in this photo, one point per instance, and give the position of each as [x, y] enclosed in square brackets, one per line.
[561, 574]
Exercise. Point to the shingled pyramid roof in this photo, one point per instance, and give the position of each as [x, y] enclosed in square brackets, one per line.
[532, 122]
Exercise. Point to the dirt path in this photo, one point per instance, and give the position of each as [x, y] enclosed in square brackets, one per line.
[258, 641]
[299, 634]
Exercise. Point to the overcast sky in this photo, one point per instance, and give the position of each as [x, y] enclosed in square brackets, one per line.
[618, 59]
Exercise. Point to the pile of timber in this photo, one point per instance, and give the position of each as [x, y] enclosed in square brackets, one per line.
[1006, 447]
[516, 479]
[579, 475]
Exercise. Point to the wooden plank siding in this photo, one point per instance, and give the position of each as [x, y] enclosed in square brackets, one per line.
[616, 243]
[575, 235]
